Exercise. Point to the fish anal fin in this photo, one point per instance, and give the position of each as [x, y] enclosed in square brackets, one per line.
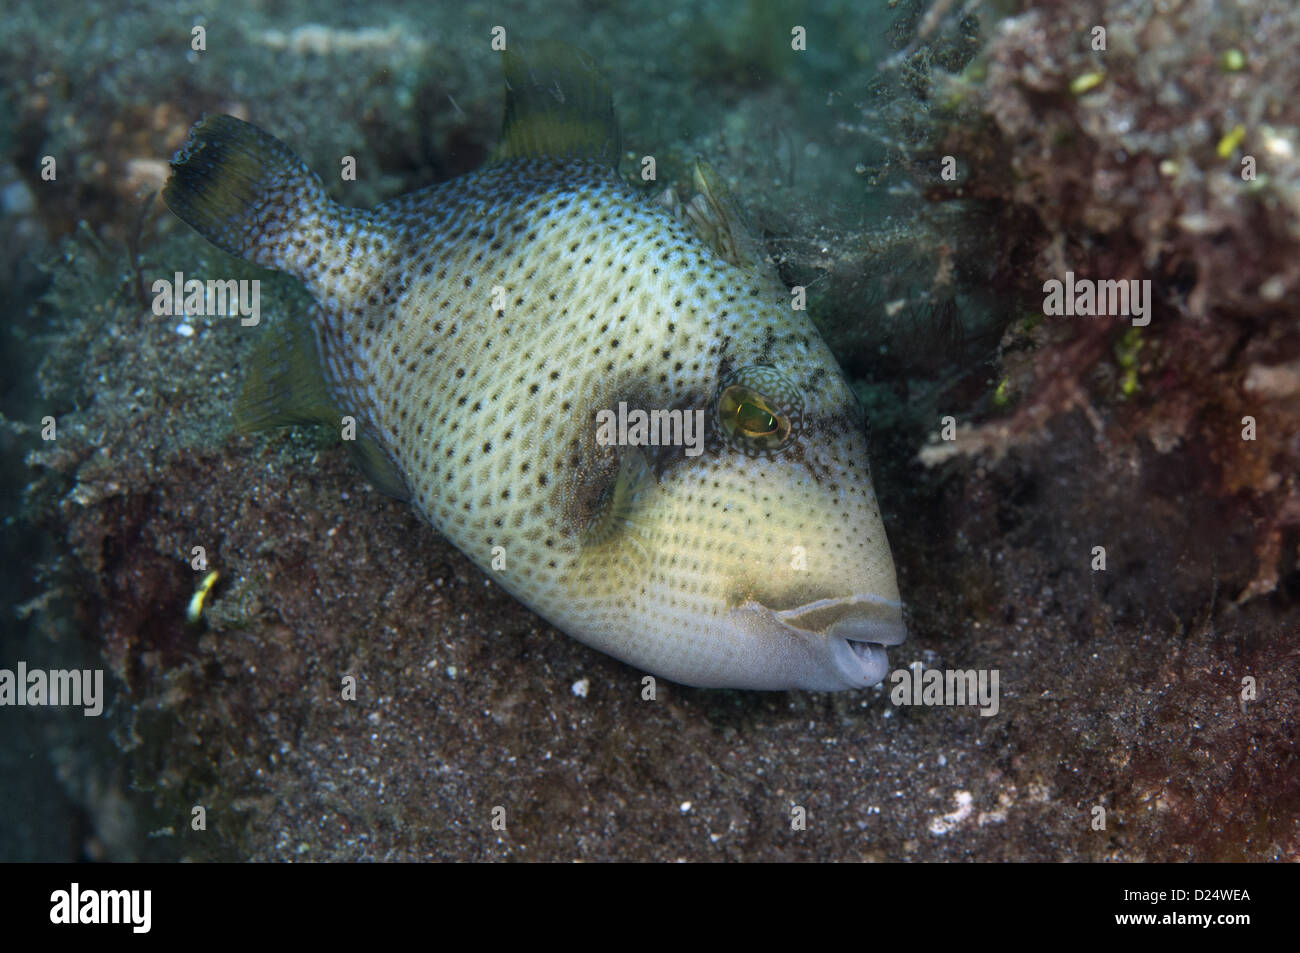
[284, 384]
[378, 468]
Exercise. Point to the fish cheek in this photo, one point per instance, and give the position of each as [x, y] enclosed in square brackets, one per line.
[777, 589]
[787, 563]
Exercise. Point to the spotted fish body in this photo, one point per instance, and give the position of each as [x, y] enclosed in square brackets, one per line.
[475, 329]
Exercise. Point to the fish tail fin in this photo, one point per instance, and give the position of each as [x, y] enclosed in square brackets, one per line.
[243, 190]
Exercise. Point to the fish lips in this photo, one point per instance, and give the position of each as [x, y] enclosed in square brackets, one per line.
[854, 631]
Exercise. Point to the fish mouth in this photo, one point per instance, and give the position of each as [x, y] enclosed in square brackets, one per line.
[857, 630]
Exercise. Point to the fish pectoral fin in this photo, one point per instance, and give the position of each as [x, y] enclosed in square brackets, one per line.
[557, 105]
[614, 530]
[717, 219]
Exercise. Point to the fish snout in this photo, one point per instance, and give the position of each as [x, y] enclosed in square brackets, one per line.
[856, 631]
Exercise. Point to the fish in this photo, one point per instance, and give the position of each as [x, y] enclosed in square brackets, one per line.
[520, 353]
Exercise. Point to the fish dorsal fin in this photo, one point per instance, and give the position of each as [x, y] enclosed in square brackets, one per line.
[717, 219]
[285, 386]
[557, 105]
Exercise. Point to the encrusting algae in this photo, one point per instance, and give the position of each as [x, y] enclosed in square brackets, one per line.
[481, 336]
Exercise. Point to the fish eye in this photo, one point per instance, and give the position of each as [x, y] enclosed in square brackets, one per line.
[757, 408]
[750, 415]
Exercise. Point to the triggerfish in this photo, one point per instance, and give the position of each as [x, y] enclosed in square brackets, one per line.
[604, 398]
